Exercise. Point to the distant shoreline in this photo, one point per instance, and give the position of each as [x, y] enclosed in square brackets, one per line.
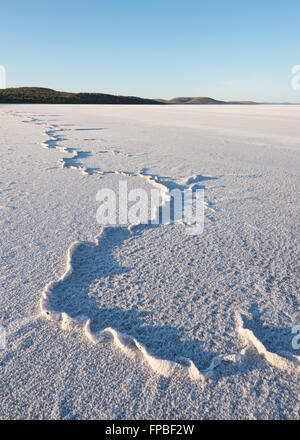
[38, 95]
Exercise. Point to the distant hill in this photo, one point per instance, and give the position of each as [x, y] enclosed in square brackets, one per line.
[38, 95]
[202, 101]
[193, 100]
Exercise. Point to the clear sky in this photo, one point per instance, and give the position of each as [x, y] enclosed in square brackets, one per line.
[226, 49]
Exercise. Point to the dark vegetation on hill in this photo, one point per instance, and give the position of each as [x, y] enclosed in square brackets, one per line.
[37, 95]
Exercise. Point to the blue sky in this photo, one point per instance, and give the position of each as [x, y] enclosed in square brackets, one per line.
[233, 49]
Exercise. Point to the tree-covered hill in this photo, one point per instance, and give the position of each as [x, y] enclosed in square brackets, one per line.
[37, 95]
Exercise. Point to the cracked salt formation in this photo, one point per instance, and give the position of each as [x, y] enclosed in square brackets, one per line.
[129, 345]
